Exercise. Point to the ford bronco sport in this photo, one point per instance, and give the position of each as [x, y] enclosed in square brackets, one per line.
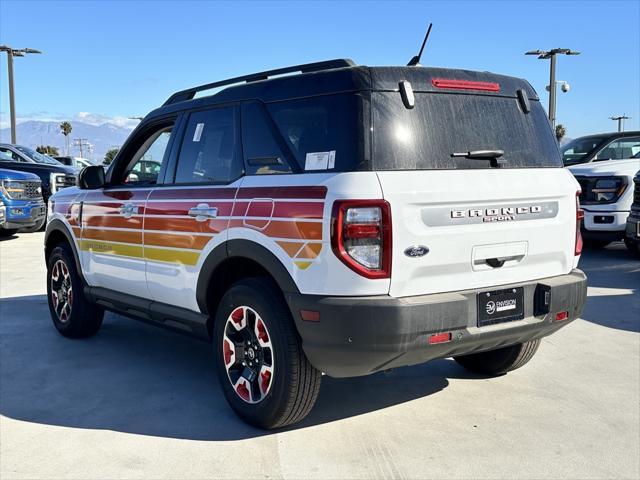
[344, 220]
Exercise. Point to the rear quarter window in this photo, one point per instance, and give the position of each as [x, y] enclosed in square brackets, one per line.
[330, 123]
[423, 138]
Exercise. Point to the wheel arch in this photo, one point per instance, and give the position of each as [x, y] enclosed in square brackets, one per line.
[56, 233]
[232, 261]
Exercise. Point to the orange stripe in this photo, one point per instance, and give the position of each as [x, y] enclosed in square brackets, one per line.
[114, 236]
[185, 225]
[113, 221]
[281, 229]
[290, 247]
[193, 242]
[310, 250]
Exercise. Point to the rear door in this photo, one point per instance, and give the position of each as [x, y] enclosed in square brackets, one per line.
[483, 225]
[187, 216]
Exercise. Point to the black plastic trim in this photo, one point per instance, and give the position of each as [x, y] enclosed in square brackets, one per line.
[156, 313]
[57, 225]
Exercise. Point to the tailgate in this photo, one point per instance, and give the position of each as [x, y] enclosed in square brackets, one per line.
[482, 228]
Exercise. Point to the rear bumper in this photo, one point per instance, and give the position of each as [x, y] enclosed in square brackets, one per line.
[361, 335]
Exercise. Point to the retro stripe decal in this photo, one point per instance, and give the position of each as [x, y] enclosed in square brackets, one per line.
[292, 216]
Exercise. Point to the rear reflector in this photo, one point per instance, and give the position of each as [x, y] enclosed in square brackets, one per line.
[562, 316]
[465, 85]
[440, 338]
[310, 315]
[577, 250]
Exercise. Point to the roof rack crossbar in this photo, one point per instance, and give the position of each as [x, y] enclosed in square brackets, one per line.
[189, 93]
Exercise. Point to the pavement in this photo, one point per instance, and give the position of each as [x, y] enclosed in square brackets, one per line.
[140, 402]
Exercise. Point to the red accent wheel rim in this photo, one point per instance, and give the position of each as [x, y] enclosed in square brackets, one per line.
[247, 353]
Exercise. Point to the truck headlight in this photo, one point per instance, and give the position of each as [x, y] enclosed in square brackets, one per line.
[14, 189]
[57, 181]
[608, 190]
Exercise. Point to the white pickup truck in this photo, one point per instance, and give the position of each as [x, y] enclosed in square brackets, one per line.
[606, 198]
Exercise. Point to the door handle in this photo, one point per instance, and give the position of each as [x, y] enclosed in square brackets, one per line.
[129, 210]
[203, 212]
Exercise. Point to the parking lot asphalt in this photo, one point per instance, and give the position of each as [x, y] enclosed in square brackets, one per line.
[139, 402]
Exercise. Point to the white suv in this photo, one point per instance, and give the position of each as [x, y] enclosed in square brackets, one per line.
[345, 220]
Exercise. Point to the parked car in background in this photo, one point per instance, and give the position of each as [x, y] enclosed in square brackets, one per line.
[53, 175]
[21, 196]
[77, 162]
[606, 198]
[632, 233]
[601, 147]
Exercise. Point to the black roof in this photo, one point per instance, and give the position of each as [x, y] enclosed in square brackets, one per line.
[333, 76]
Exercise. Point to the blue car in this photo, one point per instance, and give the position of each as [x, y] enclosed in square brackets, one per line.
[21, 200]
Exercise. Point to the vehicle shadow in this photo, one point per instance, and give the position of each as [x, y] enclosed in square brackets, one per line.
[4, 238]
[613, 276]
[139, 379]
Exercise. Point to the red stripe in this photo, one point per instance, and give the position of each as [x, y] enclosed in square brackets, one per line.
[182, 208]
[107, 195]
[283, 192]
[201, 193]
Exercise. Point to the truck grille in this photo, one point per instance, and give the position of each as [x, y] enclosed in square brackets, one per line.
[636, 194]
[32, 190]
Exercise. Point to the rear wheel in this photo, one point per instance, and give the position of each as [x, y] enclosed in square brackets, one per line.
[72, 314]
[263, 372]
[500, 361]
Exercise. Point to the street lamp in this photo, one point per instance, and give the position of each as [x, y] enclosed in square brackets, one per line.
[620, 119]
[13, 52]
[551, 55]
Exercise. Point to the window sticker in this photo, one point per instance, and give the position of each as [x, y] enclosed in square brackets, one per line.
[198, 133]
[320, 160]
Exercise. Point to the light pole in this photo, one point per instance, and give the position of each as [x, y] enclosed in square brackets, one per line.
[620, 119]
[551, 55]
[13, 52]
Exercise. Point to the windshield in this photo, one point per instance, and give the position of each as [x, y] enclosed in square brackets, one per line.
[578, 150]
[38, 157]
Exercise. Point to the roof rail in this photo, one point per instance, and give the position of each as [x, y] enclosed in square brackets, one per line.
[189, 93]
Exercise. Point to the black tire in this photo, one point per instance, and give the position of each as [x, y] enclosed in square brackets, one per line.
[294, 383]
[81, 318]
[37, 227]
[500, 361]
[596, 244]
[633, 247]
[8, 232]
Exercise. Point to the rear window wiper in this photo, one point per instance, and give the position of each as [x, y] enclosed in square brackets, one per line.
[493, 155]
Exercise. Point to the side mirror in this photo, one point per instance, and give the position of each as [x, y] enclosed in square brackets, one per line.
[91, 178]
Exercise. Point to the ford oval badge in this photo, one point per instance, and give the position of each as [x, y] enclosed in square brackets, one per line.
[416, 251]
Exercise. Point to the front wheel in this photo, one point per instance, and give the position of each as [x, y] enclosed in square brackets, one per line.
[500, 361]
[263, 372]
[72, 314]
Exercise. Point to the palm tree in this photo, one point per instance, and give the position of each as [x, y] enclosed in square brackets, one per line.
[65, 128]
[560, 132]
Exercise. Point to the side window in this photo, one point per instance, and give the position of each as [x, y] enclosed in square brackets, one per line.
[262, 153]
[210, 148]
[145, 165]
[10, 156]
[620, 149]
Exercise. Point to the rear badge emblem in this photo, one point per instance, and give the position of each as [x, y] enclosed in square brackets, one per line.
[416, 251]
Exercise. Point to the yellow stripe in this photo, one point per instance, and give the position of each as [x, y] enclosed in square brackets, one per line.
[172, 256]
[134, 251]
[137, 251]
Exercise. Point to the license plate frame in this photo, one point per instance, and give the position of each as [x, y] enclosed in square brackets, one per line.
[500, 306]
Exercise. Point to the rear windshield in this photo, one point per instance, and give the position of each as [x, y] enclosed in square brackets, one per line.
[441, 124]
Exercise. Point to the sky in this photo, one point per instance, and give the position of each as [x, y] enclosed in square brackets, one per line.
[105, 61]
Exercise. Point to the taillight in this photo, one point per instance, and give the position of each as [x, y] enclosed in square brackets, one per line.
[361, 236]
[465, 85]
[579, 217]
